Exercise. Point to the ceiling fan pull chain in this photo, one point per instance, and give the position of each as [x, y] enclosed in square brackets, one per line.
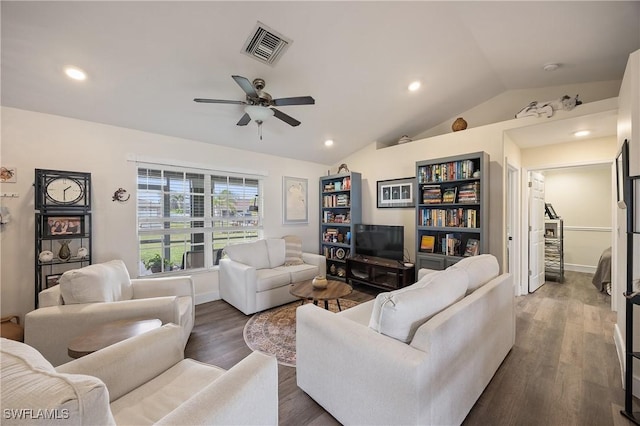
[259, 128]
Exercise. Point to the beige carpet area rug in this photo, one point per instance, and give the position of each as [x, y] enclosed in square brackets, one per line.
[274, 331]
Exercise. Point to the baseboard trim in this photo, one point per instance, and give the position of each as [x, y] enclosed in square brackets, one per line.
[207, 297]
[620, 350]
[580, 268]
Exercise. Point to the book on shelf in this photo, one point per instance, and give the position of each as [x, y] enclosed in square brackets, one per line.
[469, 193]
[452, 244]
[449, 195]
[427, 243]
[473, 247]
[454, 170]
[431, 194]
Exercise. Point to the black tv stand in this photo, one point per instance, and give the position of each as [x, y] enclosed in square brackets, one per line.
[388, 274]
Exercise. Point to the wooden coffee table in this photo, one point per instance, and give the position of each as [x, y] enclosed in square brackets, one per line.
[109, 333]
[335, 290]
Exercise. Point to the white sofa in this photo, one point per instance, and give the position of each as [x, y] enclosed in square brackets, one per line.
[102, 293]
[256, 276]
[440, 341]
[139, 381]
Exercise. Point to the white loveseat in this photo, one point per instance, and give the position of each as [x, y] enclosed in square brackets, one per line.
[256, 276]
[102, 293]
[139, 381]
[421, 355]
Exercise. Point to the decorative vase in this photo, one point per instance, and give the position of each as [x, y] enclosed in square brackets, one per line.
[64, 253]
[319, 282]
[82, 252]
[459, 124]
[45, 256]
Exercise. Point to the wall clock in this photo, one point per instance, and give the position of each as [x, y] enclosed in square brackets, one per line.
[62, 190]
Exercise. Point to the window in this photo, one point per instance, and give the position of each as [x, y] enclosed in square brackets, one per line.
[186, 217]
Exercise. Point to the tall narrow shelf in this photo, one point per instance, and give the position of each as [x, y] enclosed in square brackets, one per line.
[63, 225]
[631, 189]
[554, 249]
[452, 209]
[340, 210]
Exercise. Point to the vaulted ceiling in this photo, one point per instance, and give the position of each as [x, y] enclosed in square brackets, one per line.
[146, 62]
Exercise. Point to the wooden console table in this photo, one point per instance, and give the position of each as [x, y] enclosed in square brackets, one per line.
[379, 272]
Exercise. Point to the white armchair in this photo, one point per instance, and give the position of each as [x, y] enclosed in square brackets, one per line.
[101, 293]
[139, 381]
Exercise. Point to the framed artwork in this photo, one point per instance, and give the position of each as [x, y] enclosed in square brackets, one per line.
[51, 280]
[8, 174]
[622, 171]
[295, 193]
[548, 209]
[396, 193]
[63, 226]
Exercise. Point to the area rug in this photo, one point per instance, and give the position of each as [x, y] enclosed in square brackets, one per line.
[274, 331]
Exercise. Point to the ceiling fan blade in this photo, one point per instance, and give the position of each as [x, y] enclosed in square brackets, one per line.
[219, 101]
[286, 118]
[298, 100]
[244, 120]
[246, 85]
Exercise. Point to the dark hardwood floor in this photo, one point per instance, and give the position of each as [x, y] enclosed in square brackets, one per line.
[563, 369]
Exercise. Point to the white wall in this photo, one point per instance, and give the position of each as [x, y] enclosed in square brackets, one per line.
[582, 197]
[33, 140]
[629, 129]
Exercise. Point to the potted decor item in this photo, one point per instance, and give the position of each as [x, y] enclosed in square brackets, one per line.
[319, 282]
[154, 263]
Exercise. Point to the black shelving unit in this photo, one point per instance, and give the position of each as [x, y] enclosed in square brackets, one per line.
[58, 224]
[632, 295]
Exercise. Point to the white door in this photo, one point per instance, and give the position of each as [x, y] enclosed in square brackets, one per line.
[536, 230]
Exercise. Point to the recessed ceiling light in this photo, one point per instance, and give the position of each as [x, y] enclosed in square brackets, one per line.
[414, 86]
[581, 133]
[75, 73]
[328, 142]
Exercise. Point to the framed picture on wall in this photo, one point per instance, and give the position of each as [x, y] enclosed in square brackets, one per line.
[396, 193]
[622, 171]
[548, 209]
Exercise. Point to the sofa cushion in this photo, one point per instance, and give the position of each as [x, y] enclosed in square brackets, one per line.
[293, 250]
[254, 254]
[276, 251]
[102, 282]
[267, 279]
[480, 270]
[301, 272]
[158, 397]
[36, 386]
[399, 313]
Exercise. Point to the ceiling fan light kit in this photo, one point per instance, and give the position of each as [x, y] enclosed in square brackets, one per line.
[259, 103]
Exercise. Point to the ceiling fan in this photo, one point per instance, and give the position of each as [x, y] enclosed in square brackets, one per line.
[259, 104]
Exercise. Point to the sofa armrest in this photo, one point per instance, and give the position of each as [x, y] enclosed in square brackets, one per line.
[144, 288]
[317, 260]
[423, 272]
[339, 361]
[50, 329]
[238, 285]
[131, 363]
[50, 297]
[246, 394]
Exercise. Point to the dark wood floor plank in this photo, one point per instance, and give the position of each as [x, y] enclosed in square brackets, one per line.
[563, 369]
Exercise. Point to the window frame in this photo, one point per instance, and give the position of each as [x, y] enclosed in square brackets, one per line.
[208, 228]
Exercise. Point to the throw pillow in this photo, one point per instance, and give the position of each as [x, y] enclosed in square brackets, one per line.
[292, 250]
[253, 254]
[102, 282]
[398, 314]
[480, 270]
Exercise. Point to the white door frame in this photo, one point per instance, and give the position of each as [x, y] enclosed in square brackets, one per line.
[512, 248]
[524, 258]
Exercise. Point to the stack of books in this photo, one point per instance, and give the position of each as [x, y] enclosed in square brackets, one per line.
[469, 193]
[431, 194]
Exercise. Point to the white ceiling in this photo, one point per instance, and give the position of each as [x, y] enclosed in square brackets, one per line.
[146, 61]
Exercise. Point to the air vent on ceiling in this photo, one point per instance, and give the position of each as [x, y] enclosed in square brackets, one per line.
[265, 44]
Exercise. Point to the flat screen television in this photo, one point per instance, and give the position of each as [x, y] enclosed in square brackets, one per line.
[386, 241]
